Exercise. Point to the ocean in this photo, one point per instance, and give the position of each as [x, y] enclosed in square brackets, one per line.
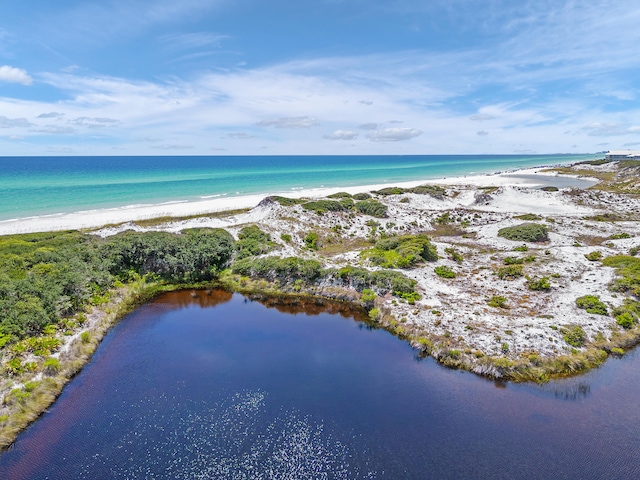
[45, 186]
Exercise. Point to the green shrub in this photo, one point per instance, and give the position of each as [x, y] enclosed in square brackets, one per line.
[497, 301]
[513, 261]
[454, 254]
[311, 240]
[593, 256]
[574, 336]
[549, 189]
[285, 201]
[321, 206]
[592, 304]
[521, 248]
[372, 208]
[85, 337]
[252, 241]
[542, 283]
[509, 272]
[633, 251]
[285, 237]
[617, 351]
[275, 268]
[529, 217]
[619, 236]
[340, 195]
[361, 196]
[525, 232]
[401, 251]
[368, 295]
[51, 366]
[390, 191]
[625, 320]
[444, 272]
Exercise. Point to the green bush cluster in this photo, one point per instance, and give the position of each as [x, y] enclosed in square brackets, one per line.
[433, 190]
[276, 268]
[454, 254]
[285, 201]
[593, 256]
[322, 206]
[401, 251]
[538, 284]
[628, 269]
[384, 281]
[509, 272]
[574, 335]
[592, 304]
[372, 207]
[628, 314]
[525, 232]
[361, 196]
[444, 271]
[529, 217]
[252, 241]
[498, 301]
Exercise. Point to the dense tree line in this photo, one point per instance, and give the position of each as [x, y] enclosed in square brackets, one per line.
[46, 277]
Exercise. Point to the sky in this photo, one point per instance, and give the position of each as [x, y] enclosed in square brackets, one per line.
[288, 77]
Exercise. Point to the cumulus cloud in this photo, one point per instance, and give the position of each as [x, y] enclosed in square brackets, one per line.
[602, 129]
[482, 133]
[341, 135]
[394, 134]
[6, 122]
[14, 75]
[289, 122]
[51, 115]
[369, 126]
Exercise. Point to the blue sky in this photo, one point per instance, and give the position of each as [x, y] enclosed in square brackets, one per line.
[207, 77]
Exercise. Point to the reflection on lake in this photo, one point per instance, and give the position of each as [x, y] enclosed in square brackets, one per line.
[220, 386]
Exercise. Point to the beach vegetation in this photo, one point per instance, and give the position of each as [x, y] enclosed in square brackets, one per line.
[372, 208]
[509, 272]
[593, 256]
[285, 201]
[361, 196]
[340, 195]
[285, 237]
[592, 304]
[618, 236]
[628, 270]
[311, 240]
[538, 284]
[528, 217]
[574, 335]
[498, 301]
[252, 240]
[454, 254]
[401, 251]
[444, 271]
[549, 188]
[521, 248]
[525, 232]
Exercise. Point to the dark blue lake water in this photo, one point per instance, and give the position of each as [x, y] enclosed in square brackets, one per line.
[224, 387]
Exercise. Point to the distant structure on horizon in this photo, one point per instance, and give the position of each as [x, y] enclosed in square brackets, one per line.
[623, 155]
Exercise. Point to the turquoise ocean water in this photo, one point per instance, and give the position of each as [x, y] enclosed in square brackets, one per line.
[35, 186]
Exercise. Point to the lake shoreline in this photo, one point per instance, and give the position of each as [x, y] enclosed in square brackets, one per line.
[436, 323]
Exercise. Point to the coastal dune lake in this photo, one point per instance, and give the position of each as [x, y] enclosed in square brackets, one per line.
[221, 386]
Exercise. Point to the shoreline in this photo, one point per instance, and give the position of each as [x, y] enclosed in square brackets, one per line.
[95, 218]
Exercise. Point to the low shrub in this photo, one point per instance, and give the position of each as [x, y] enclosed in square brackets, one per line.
[444, 272]
[454, 254]
[593, 256]
[252, 241]
[401, 251]
[574, 336]
[372, 208]
[340, 195]
[538, 284]
[525, 232]
[509, 272]
[592, 304]
[498, 301]
[528, 216]
[361, 196]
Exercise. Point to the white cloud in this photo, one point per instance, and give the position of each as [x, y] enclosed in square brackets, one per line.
[95, 122]
[51, 115]
[55, 130]
[598, 129]
[14, 75]
[289, 122]
[239, 135]
[481, 117]
[14, 122]
[368, 126]
[173, 147]
[482, 133]
[341, 135]
[394, 134]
